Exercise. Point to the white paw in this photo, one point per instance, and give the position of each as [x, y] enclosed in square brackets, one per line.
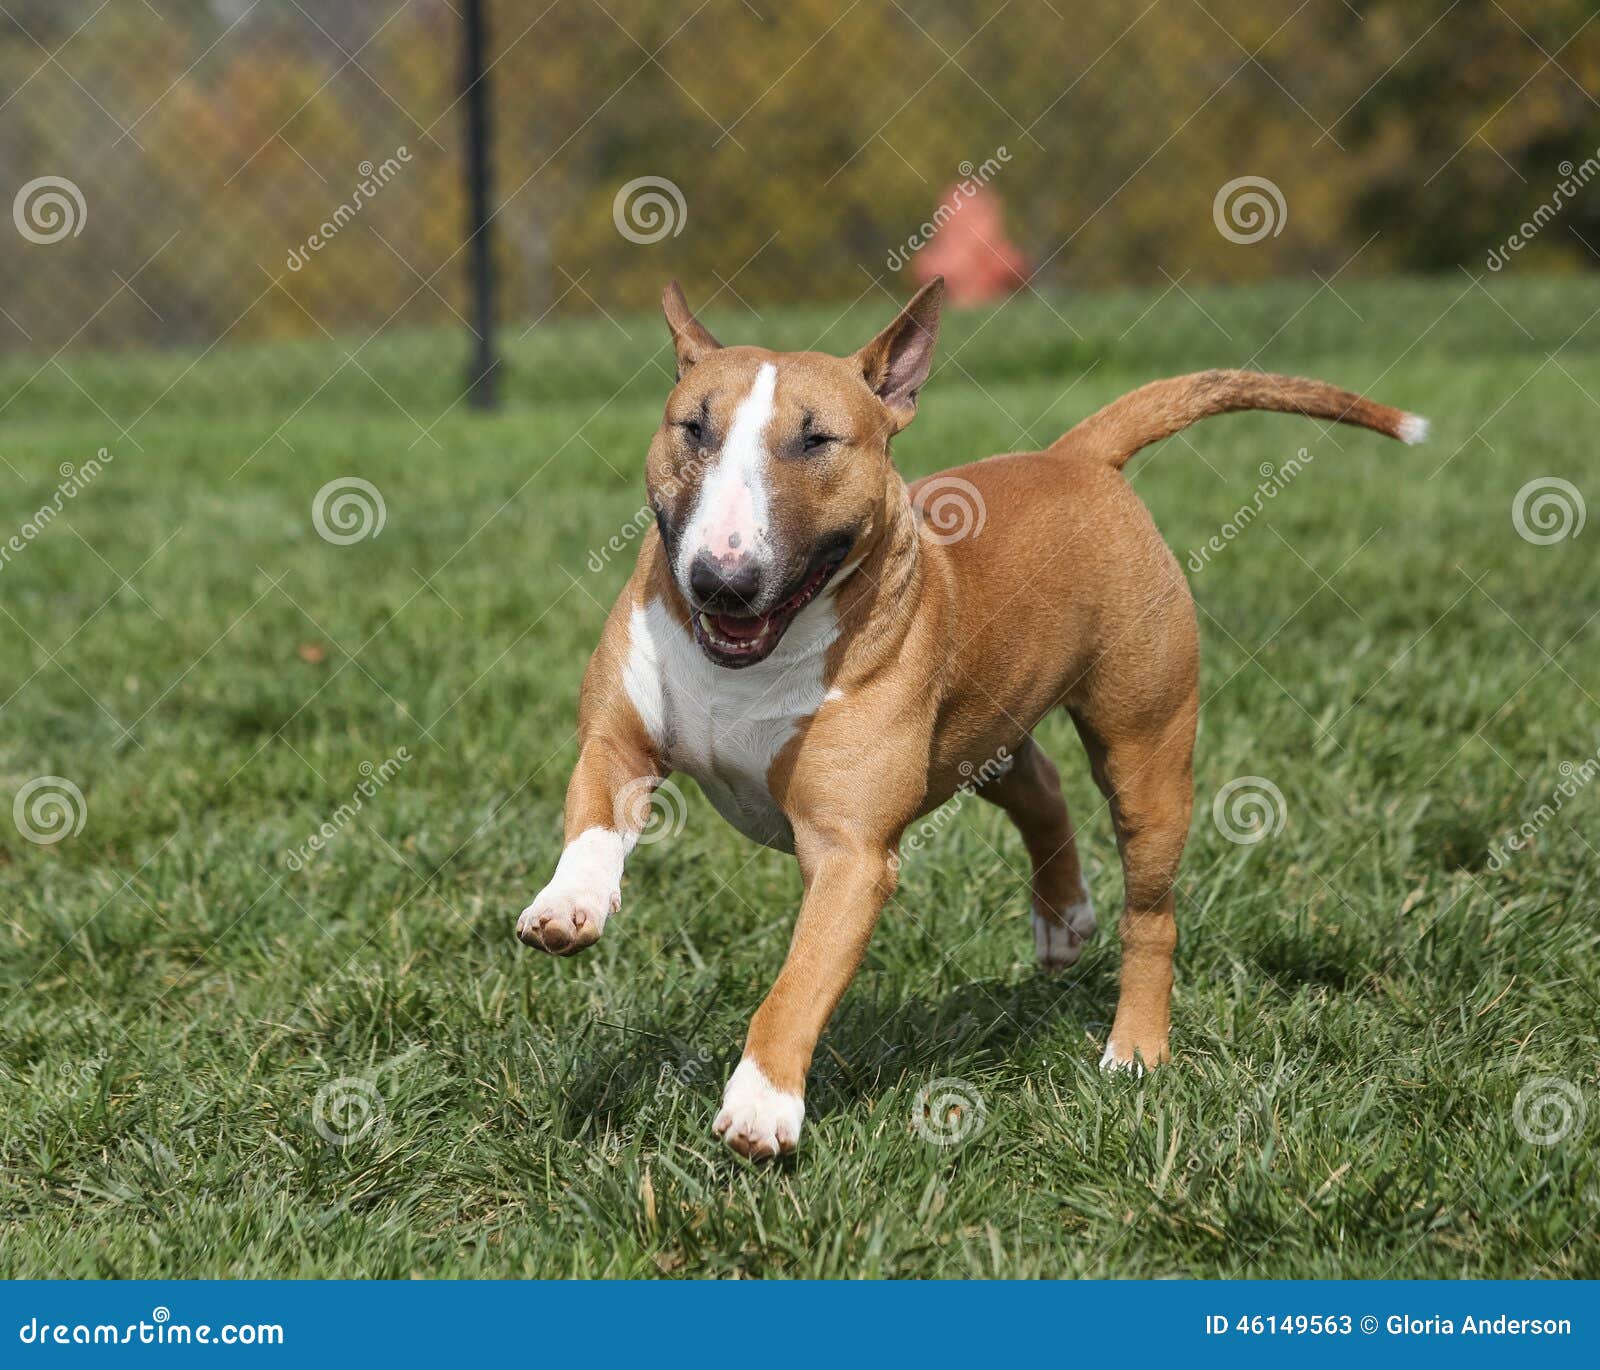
[570, 912]
[564, 921]
[758, 1118]
[1115, 1060]
[1059, 943]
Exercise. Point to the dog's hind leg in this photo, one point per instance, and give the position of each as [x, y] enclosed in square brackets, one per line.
[1030, 794]
[1147, 776]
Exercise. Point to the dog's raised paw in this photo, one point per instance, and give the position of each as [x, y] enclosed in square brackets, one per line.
[1058, 942]
[563, 920]
[757, 1118]
[570, 912]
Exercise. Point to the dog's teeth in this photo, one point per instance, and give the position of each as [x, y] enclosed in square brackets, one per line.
[705, 622]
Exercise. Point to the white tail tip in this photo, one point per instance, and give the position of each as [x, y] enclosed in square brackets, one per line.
[1413, 429]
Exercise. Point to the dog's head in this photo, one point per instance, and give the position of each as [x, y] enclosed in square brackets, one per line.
[771, 470]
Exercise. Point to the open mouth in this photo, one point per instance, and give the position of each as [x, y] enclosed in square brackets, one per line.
[743, 639]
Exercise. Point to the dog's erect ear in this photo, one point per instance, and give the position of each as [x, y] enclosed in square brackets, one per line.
[896, 362]
[689, 337]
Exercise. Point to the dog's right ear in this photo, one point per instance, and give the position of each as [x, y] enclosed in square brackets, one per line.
[690, 340]
[896, 362]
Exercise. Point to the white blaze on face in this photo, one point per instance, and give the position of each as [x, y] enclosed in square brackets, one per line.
[730, 517]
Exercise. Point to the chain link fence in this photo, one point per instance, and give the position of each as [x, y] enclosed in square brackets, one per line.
[208, 176]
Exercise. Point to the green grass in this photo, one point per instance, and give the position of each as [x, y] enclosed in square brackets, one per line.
[1360, 997]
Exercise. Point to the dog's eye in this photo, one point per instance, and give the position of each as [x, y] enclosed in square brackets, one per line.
[815, 442]
[692, 428]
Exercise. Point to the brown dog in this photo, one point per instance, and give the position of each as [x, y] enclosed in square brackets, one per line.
[832, 654]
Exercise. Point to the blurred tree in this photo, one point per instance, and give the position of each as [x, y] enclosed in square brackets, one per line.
[1470, 133]
[788, 152]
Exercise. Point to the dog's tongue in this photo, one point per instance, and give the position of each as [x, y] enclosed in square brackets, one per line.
[739, 629]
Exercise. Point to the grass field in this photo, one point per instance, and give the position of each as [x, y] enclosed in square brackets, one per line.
[1386, 1043]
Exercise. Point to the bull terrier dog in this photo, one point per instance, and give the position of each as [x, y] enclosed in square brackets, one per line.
[832, 653]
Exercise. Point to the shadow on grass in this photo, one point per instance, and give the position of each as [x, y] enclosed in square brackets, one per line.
[621, 1077]
[1293, 961]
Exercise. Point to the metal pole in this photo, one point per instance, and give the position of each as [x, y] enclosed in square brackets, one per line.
[482, 373]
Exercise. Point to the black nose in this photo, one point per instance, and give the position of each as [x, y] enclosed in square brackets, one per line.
[732, 584]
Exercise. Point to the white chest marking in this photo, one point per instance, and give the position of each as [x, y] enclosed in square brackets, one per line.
[725, 728]
[730, 517]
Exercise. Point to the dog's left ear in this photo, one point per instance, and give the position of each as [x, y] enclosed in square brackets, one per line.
[896, 362]
[690, 339]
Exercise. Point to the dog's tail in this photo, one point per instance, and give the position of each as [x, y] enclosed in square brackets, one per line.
[1162, 408]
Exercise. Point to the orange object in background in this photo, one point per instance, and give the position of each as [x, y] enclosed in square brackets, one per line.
[970, 250]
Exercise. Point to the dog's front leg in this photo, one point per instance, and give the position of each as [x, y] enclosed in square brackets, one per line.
[847, 882]
[608, 804]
